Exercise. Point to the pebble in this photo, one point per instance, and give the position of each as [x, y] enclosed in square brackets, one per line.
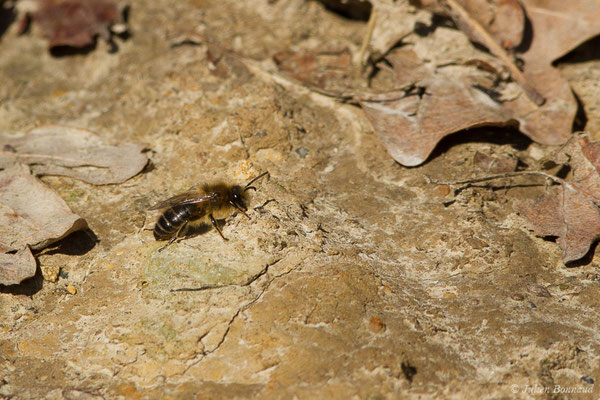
[71, 289]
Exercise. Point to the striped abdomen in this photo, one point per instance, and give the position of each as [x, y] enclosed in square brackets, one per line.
[172, 220]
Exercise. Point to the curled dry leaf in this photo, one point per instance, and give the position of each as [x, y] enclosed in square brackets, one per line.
[31, 215]
[76, 23]
[493, 15]
[566, 214]
[14, 268]
[557, 28]
[394, 20]
[333, 71]
[74, 152]
[449, 93]
[570, 211]
[440, 83]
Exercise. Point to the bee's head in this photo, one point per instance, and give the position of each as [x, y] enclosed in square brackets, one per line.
[237, 197]
[238, 193]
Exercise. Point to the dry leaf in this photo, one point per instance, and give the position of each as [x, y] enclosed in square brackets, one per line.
[449, 94]
[320, 67]
[410, 137]
[76, 23]
[74, 152]
[31, 214]
[14, 268]
[570, 212]
[440, 83]
[566, 214]
[431, 81]
[559, 27]
[394, 20]
[493, 15]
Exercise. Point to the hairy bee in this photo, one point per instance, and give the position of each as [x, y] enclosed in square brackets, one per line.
[210, 202]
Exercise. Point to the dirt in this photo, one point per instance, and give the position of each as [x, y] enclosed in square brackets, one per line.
[353, 278]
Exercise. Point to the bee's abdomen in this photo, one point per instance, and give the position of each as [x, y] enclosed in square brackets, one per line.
[169, 223]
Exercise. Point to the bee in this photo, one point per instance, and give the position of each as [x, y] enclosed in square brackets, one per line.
[210, 202]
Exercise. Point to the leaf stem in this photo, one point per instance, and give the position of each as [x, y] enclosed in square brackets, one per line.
[556, 179]
[473, 29]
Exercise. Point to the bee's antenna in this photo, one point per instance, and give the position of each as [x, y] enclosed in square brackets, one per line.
[247, 187]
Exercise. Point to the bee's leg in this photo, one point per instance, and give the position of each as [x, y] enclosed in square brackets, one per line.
[168, 244]
[214, 223]
[239, 209]
[178, 235]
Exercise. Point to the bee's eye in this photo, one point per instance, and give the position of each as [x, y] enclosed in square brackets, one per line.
[237, 199]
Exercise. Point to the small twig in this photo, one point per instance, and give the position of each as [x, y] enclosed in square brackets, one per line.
[265, 203]
[365, 43]
[517, 173]
[244, 144]
[462, 18]
[496, 176]
[222, 285]
[366, 95]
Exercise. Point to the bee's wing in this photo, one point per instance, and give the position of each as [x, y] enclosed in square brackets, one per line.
[191, 197]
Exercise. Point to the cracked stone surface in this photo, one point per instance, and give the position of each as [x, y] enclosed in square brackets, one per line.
[353, 277]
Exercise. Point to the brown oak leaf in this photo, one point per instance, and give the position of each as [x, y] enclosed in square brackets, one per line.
[538, 99]
[570, 211]
[76, 23]
[74, 152]
[14, 268]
